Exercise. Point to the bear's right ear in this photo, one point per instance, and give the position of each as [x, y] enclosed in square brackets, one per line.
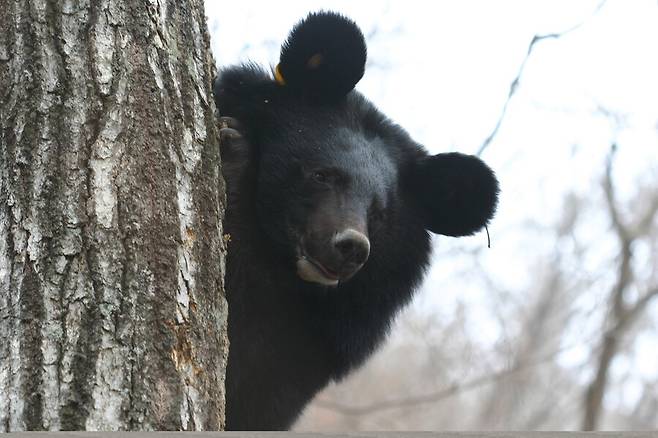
[323, 58]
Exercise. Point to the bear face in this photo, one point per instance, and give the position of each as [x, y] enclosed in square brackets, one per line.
[322, 201]
[330, 205]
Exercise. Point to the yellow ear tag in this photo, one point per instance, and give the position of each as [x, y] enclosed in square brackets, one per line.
[278, 77]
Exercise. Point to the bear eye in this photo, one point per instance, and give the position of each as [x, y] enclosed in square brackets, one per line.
[320, 177]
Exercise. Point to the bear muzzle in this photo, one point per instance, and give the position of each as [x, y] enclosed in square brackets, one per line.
[330, 261]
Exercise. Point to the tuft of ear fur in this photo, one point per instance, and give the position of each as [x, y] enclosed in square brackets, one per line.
[456, 193]
[323, 58]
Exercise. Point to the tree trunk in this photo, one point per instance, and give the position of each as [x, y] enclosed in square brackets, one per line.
[112, 310]
[596, 389]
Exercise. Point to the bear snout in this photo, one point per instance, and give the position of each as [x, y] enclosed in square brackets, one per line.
[328, 261]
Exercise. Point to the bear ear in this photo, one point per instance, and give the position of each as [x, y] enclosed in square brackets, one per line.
[457, 194]
[323, 58]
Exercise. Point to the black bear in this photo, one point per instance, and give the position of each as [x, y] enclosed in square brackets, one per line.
[329, 208]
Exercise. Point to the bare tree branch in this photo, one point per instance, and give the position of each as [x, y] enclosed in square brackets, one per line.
[515, 83]
[414, 400]
[436, 396]
[610, 342]
[611, 199]
[622, 313]
[644, 223]
[639, 306]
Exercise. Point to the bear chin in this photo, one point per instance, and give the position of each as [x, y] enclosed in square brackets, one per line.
[309, 271]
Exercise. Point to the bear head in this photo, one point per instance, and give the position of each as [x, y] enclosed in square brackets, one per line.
[331, 178]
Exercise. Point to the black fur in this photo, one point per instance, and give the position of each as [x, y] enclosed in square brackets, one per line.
[299, 168]
[324, 56]
[464, 196]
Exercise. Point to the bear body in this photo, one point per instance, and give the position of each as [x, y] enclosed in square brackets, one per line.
[330, 205]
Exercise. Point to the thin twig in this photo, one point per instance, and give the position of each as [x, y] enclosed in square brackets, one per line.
[515, 83]
[436, 396]
[611, 199]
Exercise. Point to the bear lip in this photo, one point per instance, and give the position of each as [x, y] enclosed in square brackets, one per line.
[329, 275]
[309, 272]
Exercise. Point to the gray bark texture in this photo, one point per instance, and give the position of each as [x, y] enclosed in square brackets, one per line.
[112, 310]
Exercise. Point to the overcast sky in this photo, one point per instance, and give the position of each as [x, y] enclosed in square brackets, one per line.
[442, 69]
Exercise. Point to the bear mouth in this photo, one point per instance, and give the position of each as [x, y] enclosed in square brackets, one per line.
[312, 270]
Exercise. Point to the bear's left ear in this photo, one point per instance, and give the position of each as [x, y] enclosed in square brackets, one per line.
[323, 58]
[457, 194]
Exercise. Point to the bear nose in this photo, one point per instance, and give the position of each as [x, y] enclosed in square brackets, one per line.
[354, 247]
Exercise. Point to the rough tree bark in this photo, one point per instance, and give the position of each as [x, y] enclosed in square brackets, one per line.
[112, 313]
